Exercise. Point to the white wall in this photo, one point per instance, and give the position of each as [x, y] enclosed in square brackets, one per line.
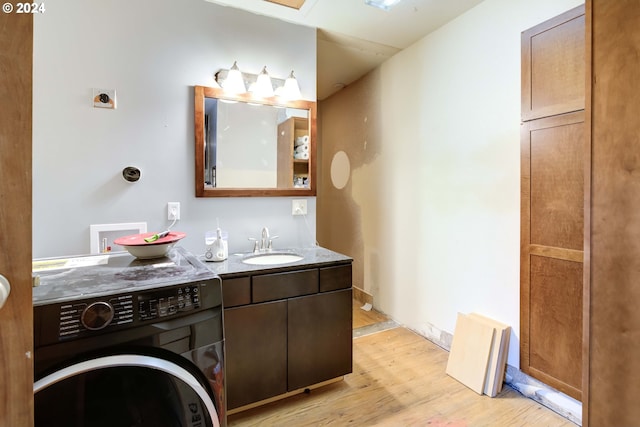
[448, 238]
[247, 156]
[152, 52]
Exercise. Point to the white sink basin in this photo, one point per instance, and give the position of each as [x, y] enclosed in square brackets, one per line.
[272, 259]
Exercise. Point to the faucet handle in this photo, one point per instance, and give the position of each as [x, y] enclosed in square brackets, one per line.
[270, 245]
[256, 245]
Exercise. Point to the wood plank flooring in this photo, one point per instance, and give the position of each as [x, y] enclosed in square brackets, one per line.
[398, 379]
[363, 318]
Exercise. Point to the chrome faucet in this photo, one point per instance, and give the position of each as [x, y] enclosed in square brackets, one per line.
[265, 244]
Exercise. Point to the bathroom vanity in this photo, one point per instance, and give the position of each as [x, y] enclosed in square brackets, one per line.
[288, 327]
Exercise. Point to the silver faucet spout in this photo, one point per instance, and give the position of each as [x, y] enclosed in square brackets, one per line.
[264, 242]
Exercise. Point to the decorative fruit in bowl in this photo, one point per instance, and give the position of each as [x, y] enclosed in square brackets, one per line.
[150, 248]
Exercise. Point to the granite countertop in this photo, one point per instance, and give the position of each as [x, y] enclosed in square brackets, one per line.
[71, 278]
[312, 257]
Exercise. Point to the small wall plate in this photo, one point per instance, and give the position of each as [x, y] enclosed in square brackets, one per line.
[104, 98]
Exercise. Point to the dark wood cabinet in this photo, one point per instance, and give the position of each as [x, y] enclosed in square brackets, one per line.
[269, 287]
[236, 291]
[320, 338]
[332, 278]
[256, 352]
[286, 331]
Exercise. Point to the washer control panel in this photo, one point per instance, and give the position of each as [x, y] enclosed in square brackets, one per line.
[97, 315]
[78, 316]
[160, 304]
[82, 317]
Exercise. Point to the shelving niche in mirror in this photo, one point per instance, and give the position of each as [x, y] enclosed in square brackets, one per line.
[253, 147]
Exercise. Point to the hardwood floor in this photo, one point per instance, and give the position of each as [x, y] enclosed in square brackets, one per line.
[362, 318]
[398, 379]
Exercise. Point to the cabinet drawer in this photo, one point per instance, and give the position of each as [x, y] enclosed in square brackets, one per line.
[236, 291]
[333, 278]
[269, 287]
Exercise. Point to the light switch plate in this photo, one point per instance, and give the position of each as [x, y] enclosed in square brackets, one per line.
[104, 98]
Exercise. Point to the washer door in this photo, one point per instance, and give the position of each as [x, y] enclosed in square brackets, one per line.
[123, 390]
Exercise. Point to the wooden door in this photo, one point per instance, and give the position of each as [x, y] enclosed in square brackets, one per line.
[16, 317]
[552, 255]
[613, 368]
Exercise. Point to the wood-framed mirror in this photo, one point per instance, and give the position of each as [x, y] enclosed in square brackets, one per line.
[253, 147]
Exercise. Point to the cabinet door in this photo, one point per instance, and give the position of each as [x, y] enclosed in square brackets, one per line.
[16, 321]
[552, 251]
[613, 368]
[256, 352]
[553, 66]
[320, 338]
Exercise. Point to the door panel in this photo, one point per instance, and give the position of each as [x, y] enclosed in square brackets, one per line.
[16, 329]
[320, 338]
[552, 256]
[557, 210]
[256, 352]
[613, 375]
[555, 335]
[553, 66]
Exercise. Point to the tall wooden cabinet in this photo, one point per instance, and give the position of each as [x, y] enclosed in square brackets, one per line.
[552, 201]
[613, 319]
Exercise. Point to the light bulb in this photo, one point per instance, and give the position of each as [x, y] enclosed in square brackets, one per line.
[291, 90]
[234, 83]
[263, 87]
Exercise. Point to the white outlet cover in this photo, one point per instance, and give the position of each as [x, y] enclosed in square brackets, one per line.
[104, 98]
[299, 204]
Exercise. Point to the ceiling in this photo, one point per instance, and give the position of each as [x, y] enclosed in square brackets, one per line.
[354, 38]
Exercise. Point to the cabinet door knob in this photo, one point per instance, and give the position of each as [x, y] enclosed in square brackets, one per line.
[5, 290]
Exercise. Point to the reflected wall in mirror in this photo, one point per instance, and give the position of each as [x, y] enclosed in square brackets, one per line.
[248, 147]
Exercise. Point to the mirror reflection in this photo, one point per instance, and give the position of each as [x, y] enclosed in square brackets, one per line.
[253, 148]
[271, 153]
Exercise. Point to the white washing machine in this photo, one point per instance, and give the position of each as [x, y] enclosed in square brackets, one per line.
[120, 341]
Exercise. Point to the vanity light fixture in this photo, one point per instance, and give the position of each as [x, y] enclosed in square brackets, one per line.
[291, 90]
[261, 85]
[382, 4]
[234, 83]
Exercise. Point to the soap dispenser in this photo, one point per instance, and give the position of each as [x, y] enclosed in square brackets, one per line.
[218, 250]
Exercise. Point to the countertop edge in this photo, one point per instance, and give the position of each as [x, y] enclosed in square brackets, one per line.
[314, 257]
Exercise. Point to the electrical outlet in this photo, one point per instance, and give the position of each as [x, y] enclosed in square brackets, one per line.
[173, 211]
[299, 207]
